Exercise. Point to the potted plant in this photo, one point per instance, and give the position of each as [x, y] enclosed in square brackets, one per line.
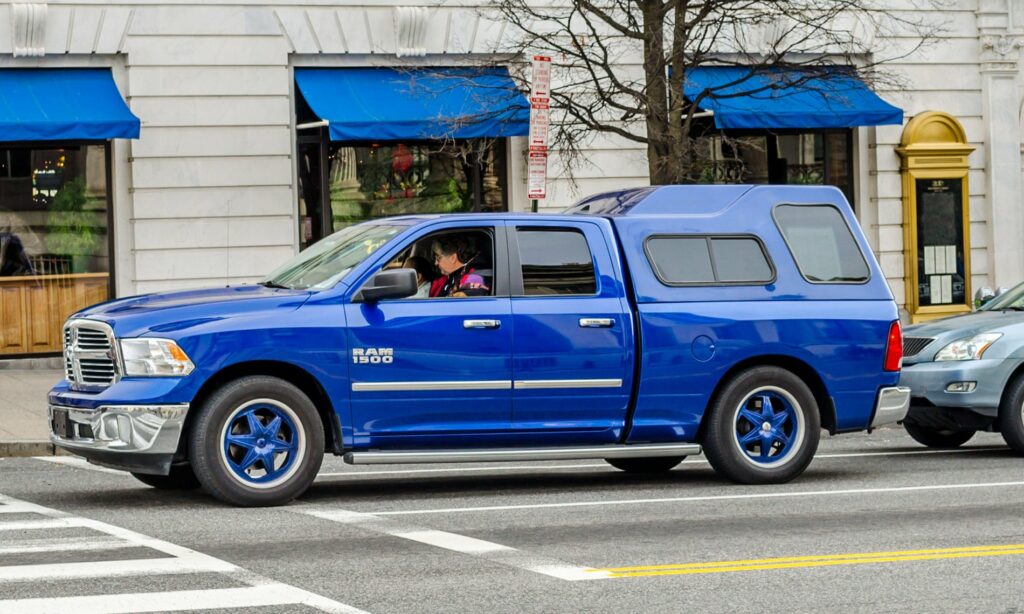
[72, 231]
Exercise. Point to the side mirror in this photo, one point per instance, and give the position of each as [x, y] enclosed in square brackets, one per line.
[392, 283]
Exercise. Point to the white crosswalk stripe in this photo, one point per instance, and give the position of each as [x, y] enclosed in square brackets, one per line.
[170, 560]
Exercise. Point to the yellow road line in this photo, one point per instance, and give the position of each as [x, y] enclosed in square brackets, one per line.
[815, 561]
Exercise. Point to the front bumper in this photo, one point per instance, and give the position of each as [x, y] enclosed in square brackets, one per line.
[892, 406]
[929, 381]
[138, 438]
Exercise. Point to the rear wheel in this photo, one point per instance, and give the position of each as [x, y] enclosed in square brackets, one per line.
[655, 464]
[181, 477]
[1011, 416]
[763, 428]
[943, 439]
[257, 441]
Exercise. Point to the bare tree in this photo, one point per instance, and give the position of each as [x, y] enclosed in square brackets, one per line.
[620, 65]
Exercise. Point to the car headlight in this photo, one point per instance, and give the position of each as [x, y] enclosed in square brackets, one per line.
[968, 349]
[154, 358]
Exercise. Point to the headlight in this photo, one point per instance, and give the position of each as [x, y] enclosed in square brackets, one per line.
[968, 349]
[154, 358]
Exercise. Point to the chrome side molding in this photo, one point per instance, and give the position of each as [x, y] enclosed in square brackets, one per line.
[377, 457]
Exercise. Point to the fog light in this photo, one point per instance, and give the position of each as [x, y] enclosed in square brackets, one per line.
[962, 387]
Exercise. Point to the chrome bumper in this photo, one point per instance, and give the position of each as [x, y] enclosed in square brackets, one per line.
[892, 406]
[140, 438]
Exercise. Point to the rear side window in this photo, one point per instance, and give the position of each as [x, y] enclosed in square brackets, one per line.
[555, 261]
[821, 243]
[686, 260]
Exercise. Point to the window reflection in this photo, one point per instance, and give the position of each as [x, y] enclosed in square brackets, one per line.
[54, 257]
[380, 180]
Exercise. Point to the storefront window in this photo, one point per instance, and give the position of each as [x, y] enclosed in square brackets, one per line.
[369, 181]
[812, 158]
[54, 241]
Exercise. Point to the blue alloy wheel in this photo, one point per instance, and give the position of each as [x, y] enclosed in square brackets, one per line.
[263, 443]
[768, 427]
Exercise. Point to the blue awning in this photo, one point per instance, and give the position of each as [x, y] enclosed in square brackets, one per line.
[385, 104]
[63, 104]
[788, 98]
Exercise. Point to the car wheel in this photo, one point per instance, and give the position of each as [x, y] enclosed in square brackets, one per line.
[937, 438]
[655, 464]
[181, 477]
[1011, 416]
[763, 427]
[257, 441]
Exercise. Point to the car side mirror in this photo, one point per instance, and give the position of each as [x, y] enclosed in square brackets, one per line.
[392, 283]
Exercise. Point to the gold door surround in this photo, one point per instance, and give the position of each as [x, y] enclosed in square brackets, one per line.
[934, 149]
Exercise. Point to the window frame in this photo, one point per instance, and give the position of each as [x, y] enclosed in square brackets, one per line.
[711, 255]
[849, 229]
[517, 287]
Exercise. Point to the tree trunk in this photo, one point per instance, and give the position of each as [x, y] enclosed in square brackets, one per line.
[659, 148]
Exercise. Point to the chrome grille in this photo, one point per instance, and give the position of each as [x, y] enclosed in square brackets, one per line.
[90, 356]
[912, 346]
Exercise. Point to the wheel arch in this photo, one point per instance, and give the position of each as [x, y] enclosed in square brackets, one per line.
[1017, 372]
[286, 371]
[807, 373]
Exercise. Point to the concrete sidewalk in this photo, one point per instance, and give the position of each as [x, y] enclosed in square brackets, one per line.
[23, 427]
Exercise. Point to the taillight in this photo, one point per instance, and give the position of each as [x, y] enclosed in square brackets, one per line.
[894, 348]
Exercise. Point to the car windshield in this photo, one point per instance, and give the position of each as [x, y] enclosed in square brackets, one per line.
[1011, 299]
[324, 264]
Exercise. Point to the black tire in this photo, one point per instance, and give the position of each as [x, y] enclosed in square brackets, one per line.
[735, 461]
[249, 396]
[181, 477]
[1011, 415]
[940, 439]
[655, 464]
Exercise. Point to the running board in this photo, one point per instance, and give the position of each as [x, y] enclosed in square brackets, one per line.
[521, 454]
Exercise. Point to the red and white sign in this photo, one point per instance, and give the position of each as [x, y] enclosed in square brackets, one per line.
[539, 122]
[540, 85]
[540, 109]
[537, 175]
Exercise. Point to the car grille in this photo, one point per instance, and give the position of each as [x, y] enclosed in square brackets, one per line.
[90, 357]
[912, 346]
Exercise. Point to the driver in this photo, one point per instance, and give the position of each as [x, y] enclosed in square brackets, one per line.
[454, 256]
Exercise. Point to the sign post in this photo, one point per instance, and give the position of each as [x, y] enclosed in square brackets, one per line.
[540, 109]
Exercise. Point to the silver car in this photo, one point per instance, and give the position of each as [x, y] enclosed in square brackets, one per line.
[966, 374]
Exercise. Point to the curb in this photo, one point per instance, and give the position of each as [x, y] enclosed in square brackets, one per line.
[27, 448]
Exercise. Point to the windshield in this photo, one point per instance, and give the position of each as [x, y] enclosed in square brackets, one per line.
[324, 264]
[1011, 299]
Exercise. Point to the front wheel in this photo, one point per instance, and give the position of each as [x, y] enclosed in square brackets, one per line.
[1011, 416]
[181, 477]
[257, 441]
[942, 439]
[763, 428]
[656, 464]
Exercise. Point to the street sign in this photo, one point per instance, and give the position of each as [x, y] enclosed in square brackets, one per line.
[540, 121]
[537, 173]
[540, 85]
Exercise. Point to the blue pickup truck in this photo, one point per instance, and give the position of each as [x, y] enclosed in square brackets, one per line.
[640, 327]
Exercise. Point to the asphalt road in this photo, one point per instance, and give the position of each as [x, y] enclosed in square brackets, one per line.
[877, 523]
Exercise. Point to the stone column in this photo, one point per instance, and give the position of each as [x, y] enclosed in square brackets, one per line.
[1001, 103]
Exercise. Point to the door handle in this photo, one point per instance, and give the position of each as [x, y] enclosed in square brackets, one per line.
[481, 324]
[597, 322]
